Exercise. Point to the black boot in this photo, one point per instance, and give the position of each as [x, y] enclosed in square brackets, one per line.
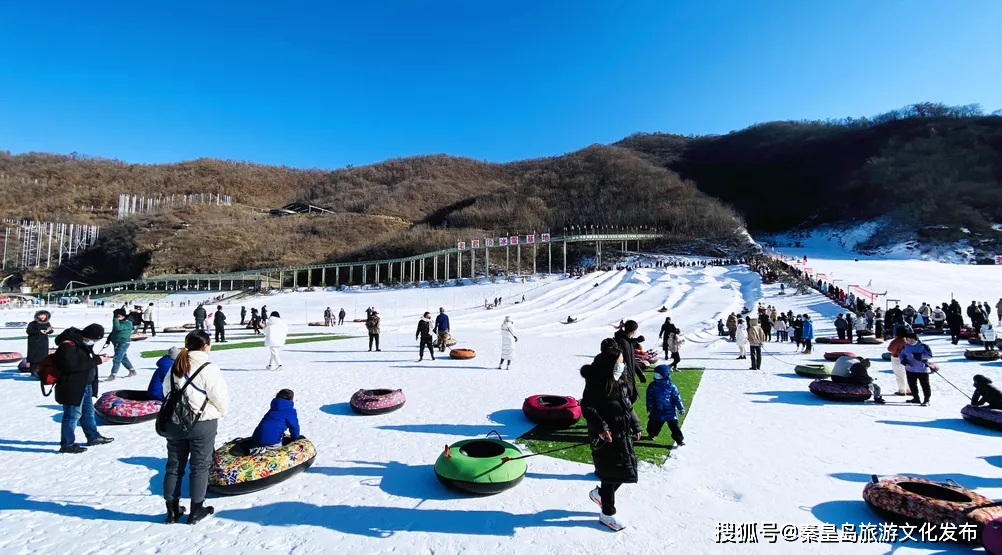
[198, 512]
[174, 512]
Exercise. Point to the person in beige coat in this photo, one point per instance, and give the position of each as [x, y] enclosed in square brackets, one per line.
[756, 337]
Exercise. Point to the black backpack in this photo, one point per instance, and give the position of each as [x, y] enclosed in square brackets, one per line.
[176, 420]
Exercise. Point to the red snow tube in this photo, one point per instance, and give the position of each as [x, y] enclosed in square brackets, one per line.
[552, 410]
[316, 324]
[8, 357]
[127, 406]
[358, 320]
[907, 500]
[839, 391]
[377, 401]
[833, 341]
[966, 333]
[462, 354]
[835, 355]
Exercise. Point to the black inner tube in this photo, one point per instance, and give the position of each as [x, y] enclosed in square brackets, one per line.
[552, 401]
[378, 392]
[482, 449]
[935, 491]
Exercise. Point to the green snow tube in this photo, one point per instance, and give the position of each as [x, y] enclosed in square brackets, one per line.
[886, 356]
[480, 466]
[813, 370]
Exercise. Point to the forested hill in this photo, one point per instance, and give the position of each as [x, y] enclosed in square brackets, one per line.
[930, 170]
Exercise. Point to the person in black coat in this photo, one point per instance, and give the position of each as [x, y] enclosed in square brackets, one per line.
[613, 426]
[986, 393]
[136, 317]
[626, 342]
[38, 339]
[423, 335]
[199, 314]
[243, 315]
[667, 329]
[219, 323]
[77, 385]
[955, 321]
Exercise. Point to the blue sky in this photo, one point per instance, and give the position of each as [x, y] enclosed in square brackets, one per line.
[325, 84]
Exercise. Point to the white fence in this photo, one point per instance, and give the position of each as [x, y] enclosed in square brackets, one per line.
[33, 244]
[129, 205]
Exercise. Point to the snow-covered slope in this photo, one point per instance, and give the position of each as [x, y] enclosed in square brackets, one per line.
[760, 447]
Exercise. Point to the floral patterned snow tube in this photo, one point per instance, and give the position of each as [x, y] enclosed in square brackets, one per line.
[839, 391]
[127, 406]
[983, 416]
[8, 357]
[235, 471]
[377, 401]
[916, 501]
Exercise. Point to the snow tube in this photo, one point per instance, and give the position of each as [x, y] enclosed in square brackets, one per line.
[934, 331]
[377, 401]
[906, 500]
[833, 341]
[315, 324]
[188, 326]
[175, 330]
[9, 357]
[127, 406]
[886, 356]
[982, 355]
[650, 357]
[359, 320]
[137, 337]
[870, 341]
[983, 416]
[839, 391]
[965, 333]
[552, 410]
[975, 341]
[462, 354]
[864, 333]
[662, 309]
[835, 355]
[16, 324]
[235, 471]
[819, 371]
[478, 466]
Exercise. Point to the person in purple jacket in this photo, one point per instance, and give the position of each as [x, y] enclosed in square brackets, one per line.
[280, 417]
[915, 357]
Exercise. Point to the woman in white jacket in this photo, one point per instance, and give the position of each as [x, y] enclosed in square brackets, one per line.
[741, 338]
[275, 332]
[208, 397]
[508, 341]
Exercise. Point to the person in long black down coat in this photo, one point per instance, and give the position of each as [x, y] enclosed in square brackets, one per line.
[38, 339]
[626, 342]
[613, 426]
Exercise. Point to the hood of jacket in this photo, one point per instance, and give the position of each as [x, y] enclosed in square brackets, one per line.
[71, 334]
[45, 313]
[282, 405]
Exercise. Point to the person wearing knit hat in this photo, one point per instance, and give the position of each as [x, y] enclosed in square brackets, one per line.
[78, 385]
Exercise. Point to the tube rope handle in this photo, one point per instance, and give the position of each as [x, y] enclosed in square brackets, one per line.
[495, 432]
[506, 459]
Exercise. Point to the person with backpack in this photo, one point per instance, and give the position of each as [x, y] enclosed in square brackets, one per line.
[219, 324]
[120, 338]
[209, 400]
[75, 367]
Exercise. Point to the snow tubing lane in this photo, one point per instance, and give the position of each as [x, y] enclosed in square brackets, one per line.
[870, 340]
[917, 501]
[552, 410]
[462, 354]
[9, 357]
[476, 466]
[833, 341]
[886, 356]
[377, 401]
[983, 416]
[138, 337]
[175, 330]
[819, 371]
[235, 471]
[839, 391]
[982, 355]
[127, 406]
[835, 355]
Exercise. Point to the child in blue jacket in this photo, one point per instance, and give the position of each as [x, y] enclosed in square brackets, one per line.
[663, 400]
[281, 416]
[156, 387]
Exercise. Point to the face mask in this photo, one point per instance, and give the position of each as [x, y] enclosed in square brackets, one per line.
[88, 342]
[620, 367]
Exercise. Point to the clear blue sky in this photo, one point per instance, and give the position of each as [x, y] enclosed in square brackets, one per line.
[324, 84]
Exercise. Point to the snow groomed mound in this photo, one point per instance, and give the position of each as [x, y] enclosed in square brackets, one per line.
[906, 500]
[377, 401]
[127, 406]
[835, 355]
[462, 354]
[839, 391]
[480, 466]
[235, 471]
[9, 357]
[983, 416]
[982, 355]
[552, 410]
[819, 371]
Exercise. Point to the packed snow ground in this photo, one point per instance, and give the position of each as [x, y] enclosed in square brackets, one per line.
[760, 448]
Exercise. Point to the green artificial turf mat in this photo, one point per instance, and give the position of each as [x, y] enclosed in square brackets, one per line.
[251, 344]
[541, 439]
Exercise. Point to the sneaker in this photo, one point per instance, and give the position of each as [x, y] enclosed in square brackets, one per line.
[879, 400]
[925, 403]
[901, 393]
[72, 449]
[279, 367]
[131, 373]
[611, 522]
[100, 440]
[268, 367]
[110, 378]
[595, 497]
